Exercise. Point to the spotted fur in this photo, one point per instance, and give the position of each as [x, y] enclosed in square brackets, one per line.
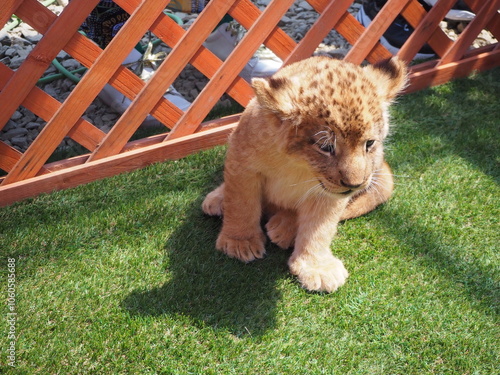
[308, 152]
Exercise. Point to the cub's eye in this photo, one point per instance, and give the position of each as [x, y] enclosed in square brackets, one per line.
[325, 141]
[369, 144]
[327, 147]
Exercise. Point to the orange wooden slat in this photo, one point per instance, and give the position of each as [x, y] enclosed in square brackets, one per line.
[246, 13]
[425, 30]
[125, 162]
[472, 30]
[436, 75]
[42, 55]
[170, 68]
[351, 30]
[319, 5]
[9, 156]
[203, 60]
[129, 84]
[375, 30]
[85, 92]
[45, 106]
[231, 120]
[7, 9]
[86, 52]
[320, 29]
[414, 13]
[242, 53]
[60, 165]
[493, 24]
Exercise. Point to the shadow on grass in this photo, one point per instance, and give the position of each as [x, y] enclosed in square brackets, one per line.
[211, 288]
[137, 209]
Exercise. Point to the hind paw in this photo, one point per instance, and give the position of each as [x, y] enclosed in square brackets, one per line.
[282, 228]
[212, 205]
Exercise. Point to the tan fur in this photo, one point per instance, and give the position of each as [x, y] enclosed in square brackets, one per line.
[302, 155]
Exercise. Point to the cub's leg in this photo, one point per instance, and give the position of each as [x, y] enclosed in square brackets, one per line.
[282, 228]
[212, 204]
[241, 236]
[377, 193]
[312, 261]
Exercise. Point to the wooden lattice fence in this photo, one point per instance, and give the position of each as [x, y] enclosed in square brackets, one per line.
[28, 173]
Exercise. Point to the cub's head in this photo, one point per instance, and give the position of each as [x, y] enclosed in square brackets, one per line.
[333, 115]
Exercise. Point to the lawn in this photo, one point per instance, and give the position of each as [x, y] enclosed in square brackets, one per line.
[121, 276]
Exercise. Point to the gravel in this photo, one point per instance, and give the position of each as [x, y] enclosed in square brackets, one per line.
[17, 43]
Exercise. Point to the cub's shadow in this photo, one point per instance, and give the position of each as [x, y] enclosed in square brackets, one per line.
[210, 288]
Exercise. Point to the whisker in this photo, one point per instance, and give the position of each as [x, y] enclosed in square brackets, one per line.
[377, 172]
[307, 194]
[304, 182]
[322, 197]
[378, 184]
[390, 174]
[375, 175]
[375, 187]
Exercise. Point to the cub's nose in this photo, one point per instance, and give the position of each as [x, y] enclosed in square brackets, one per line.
[350, 186]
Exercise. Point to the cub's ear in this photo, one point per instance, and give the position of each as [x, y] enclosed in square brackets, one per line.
[275, 94]
[391, 76]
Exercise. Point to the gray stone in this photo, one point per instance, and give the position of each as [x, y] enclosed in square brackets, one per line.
[62, 55]
[20, 142]
[284, 20]
[27, 117]
[71, 64]
[16, 116]
[34, 38]
[193, 94]
[11, 51]
[4, 36]
[24, 52]
[2, 50]
[186, 86]
[32, 125]
[51, 90]
[5, 61]
[32, 135]
[16, 62]
[27, 30]
[109, 117]
[9, 126]
[305, 5]
[200, 85]
[14, 133]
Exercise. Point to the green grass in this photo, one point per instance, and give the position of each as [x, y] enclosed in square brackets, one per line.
[121, 276]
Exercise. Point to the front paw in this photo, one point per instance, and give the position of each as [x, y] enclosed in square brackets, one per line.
[245, 249]
[325, 275]
[282, 229]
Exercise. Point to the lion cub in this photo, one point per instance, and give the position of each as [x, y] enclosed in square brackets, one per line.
[307, 153]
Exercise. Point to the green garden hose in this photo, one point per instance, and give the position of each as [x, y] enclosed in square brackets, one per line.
[64, 73]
